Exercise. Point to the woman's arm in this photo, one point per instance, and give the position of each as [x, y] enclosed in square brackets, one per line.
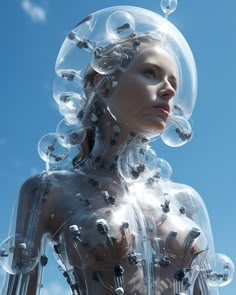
[24, 251]
[197, 211]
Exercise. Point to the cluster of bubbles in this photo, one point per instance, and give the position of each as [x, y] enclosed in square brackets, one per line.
[139, 162]
[178, 131]
[102, 47]
[56, 148]
[68, 93]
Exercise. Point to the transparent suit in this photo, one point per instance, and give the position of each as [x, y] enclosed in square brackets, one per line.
[106, 203]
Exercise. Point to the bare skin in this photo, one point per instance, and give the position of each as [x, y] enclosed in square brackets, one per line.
[148, 84]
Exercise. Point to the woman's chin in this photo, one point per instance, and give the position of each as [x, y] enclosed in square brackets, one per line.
[151, 127]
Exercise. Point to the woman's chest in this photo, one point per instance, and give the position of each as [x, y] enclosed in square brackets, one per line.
[136, 237]
[132, 237]
[108, 217]
[130, 228]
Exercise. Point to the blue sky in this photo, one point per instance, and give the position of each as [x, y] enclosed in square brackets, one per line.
[31, 35]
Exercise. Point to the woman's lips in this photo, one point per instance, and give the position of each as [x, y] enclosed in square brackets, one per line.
[163, 108]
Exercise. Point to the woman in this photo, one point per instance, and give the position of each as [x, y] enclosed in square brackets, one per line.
[116, 224]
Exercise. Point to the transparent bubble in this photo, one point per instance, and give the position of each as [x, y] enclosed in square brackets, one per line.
[168, 6]
[50, 149]
[177, 132]
[73, 54]
[164, 169]
[70, 116]
[17, 255]
[137, 162]
[107, 58]
[221, 272]
[72, 101]
[70, 134]
[68, 163]
[120, 25]
[68, 91]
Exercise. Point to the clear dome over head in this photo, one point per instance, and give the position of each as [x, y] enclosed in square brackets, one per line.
[97, 40]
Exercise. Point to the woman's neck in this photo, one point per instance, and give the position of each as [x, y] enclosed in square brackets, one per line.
[110, 137]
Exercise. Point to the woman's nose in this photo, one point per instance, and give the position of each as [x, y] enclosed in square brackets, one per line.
[166, 91]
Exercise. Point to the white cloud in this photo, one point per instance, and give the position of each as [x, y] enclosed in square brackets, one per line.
[37, 13]
[55, 289]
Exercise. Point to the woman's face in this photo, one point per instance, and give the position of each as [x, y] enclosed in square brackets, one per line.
[142, 99]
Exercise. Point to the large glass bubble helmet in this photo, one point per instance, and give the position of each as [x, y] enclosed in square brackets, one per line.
[114, 25]
[86, 41]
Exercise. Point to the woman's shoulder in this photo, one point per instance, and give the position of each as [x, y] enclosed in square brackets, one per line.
[180, 195]
[55, 190]
[51, 180]
[180, 190]
[188, 198]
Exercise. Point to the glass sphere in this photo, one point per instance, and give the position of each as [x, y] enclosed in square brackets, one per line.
[70, 134]
[70, 116]
[107, 58]
[120, 25]
[164, 169]
[177, 132]
[168, 6]
[17, 255]
[66, 164]
[68, 92]
[221, 272]
[50, 149]
[137, 162]
[73, 54]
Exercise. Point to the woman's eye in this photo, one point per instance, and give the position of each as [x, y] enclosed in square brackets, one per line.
[150, 73]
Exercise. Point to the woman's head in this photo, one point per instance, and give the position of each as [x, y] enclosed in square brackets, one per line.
[145, 84]
[119, 42]
[108, 40]
[143, 96]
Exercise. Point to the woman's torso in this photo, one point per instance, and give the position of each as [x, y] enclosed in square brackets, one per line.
[109, 238]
